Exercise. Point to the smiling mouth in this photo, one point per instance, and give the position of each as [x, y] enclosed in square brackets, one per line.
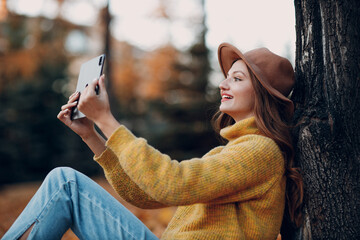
[226, 97]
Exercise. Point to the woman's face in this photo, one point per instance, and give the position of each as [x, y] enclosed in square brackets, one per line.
[237, 92]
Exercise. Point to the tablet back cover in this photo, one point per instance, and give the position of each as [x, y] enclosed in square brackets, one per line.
[89, 71]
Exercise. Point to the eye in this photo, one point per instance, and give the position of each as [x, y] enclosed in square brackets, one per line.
[237, 79]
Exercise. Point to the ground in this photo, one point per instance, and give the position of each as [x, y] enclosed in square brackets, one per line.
[13, 199]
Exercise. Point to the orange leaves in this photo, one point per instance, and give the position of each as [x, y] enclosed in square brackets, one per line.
[143, 75]
[159, 70]
[19, 64]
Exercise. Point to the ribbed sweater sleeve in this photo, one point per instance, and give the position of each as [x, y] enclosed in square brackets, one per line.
[242, 170]
[122, 184]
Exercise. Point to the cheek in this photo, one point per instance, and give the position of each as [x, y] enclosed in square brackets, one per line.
[247, 96]
[252, 98]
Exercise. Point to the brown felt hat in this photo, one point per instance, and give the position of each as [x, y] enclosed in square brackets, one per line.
[275, 73]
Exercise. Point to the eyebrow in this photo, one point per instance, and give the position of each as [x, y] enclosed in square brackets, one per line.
[238, 72]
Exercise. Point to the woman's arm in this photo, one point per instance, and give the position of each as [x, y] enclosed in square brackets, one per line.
[239, 172]
[124, 186]
[96, 143]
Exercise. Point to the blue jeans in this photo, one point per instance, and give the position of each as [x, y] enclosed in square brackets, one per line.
[69, 199]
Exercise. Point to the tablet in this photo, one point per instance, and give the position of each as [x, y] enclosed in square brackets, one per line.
[89, 71]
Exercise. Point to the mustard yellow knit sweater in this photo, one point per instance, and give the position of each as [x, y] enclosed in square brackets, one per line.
[235, 191]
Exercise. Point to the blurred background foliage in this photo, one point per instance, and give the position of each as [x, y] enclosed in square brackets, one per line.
[162, 95]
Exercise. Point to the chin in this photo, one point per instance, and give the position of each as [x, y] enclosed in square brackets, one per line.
[223, 109]
[226, 112]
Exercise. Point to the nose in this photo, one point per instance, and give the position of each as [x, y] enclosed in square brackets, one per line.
[224, 84]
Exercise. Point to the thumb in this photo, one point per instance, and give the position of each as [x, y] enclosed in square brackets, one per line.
[102, 83]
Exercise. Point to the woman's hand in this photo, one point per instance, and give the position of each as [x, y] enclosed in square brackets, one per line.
[96, 107]
[83, 126]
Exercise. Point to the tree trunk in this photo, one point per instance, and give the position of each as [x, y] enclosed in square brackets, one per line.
[327, 134]
[107, 41]
[106, 19]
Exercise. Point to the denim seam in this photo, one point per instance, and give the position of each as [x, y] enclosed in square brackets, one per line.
[38, 217]
[51, 199]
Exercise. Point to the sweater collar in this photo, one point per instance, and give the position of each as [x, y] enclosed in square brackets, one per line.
[241, 128]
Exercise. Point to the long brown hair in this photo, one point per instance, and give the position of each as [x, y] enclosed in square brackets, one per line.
[273, 121]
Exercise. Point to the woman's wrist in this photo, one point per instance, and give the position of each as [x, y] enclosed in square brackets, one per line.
[107, 124]
[88, 136]
[95, 142]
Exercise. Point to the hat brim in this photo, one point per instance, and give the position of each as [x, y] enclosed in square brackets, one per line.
[228, 54]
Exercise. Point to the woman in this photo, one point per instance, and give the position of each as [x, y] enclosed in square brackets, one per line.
[236, 191]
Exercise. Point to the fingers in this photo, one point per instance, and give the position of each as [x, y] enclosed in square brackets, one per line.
[74, 97]
[102, 82]
[75, 93]
[102, 86]
[92, 87]
[69, 105]
[90, 103]
[90, 91]
[64, 116]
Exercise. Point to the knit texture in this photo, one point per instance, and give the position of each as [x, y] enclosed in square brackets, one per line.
[235, 191]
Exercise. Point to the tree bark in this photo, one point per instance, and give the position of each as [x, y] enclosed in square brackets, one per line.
[107, 41]
[106, 20]
[327, 132]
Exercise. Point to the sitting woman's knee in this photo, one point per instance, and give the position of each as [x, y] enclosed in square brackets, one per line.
[61, 172]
